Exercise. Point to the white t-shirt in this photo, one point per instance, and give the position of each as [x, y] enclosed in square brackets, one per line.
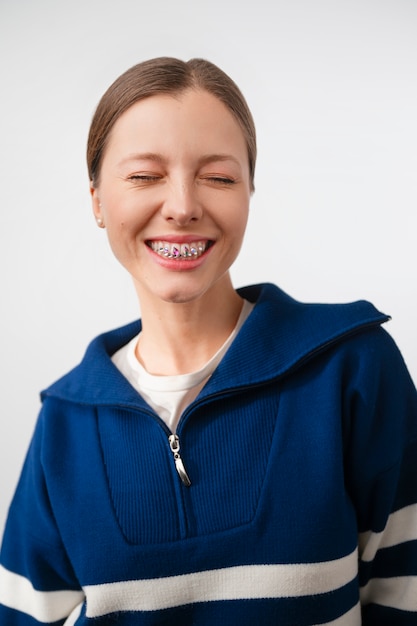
[170, 395]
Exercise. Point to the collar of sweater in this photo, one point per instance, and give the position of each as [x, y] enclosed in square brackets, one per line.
[279, 335]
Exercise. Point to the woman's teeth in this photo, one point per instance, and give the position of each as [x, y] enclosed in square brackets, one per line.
[179, 250]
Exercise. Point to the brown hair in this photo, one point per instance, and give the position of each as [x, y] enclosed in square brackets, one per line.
[165, 75]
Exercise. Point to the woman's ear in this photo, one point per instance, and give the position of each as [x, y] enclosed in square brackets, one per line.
[96, 205]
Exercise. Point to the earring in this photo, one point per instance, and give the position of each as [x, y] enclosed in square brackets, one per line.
[100, 222]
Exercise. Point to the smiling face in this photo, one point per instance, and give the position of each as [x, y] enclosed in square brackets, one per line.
[173, 193]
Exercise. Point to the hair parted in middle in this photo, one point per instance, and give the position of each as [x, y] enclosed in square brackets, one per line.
[165, 75]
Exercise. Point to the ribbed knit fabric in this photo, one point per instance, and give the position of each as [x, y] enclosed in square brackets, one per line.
[302, 510]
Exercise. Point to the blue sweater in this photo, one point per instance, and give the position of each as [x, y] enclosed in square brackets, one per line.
[302, 509]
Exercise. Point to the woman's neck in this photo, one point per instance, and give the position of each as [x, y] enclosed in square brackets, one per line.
[181, 338]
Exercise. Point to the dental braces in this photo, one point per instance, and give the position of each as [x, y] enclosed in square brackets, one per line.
[175, 253]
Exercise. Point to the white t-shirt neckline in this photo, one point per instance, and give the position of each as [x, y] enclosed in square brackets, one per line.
[170, 395]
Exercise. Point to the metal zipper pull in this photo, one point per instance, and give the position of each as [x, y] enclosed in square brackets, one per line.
[174, 443]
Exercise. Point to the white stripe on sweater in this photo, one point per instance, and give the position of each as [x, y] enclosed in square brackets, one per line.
[398, 592]
[245, 582]
[17, 592]
[75, 614]
[401, 527]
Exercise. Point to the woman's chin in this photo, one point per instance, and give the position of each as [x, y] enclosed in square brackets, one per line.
[184, 287]
[175, 292]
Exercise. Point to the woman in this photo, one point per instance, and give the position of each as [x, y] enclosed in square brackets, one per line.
[235, 457]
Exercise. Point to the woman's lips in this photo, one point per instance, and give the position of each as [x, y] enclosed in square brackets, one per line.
[181, 251]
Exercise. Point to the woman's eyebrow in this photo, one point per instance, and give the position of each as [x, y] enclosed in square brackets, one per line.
[143, 156]
[156, 157]
[210, 158]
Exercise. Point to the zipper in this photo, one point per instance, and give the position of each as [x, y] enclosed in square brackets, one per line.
[174, 441]
[174, 444]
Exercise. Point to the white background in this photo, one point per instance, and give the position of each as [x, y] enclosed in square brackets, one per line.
[333, 88]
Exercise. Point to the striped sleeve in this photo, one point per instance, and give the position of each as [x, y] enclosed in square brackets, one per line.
[388, 557]
[37, 583]
[18, 596]
[382, 478]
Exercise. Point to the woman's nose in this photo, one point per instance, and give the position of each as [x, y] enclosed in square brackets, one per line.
[181, 203]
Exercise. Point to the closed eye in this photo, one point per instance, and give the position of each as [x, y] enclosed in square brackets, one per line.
[221, 179]
[144, 177]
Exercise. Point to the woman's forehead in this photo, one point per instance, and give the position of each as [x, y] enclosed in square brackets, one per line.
[195, 119]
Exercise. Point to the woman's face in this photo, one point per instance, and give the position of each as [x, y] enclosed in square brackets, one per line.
[174, 194]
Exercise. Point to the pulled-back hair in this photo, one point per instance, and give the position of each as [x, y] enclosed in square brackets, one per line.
[165, 75]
